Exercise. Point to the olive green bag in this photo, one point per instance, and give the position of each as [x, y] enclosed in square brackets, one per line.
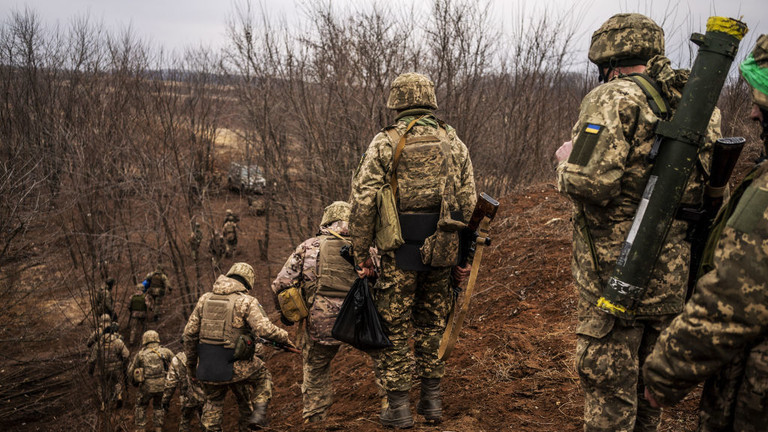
[388, 234]
[292, 304]
[244, 347]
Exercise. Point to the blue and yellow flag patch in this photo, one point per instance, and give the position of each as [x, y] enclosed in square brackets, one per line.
[592, 128]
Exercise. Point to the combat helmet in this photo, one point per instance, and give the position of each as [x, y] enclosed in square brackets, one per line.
[245, 273]
[336, 211]
[149, 337]
[626, 39]
[105, 320]
[411, 90]
[754, 69]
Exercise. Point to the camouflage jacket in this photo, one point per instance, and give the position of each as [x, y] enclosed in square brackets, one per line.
[618, 124]
[190, 392]
[371, 175]
[155, 360]
[110, 350]
[230, 230]
[728, 312]
[301, 270]
[104, 303]
[149, 301]
[248, 313]
[158, 289]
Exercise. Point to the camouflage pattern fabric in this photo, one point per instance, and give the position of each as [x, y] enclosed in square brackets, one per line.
[138, 324]
[624, 36]
[253, 389]
[248, 313]
[408, 298]
[195, 239]
[216, 247]
[371, 175]
[316, 389]
[154, 359]
[301, 270]
[604, 178]
[230, 234]
[191, 394]
[108, 357]
[411, 89]
[727, 315]
[104, 303]
[159, 286]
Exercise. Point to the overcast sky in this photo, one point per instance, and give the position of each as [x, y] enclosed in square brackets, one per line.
[176, 24]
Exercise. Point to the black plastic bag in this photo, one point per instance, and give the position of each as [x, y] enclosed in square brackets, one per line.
[358, 322]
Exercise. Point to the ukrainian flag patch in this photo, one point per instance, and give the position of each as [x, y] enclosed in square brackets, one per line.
[592, 128]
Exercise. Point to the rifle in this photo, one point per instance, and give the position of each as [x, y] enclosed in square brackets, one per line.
[276, 345]
[473, 239]
[724, 156]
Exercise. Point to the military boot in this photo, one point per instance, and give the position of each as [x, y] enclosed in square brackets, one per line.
[430, 405]
[258, 417]
[398, 413]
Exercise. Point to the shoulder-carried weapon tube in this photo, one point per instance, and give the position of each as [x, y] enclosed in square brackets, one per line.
[681, 139]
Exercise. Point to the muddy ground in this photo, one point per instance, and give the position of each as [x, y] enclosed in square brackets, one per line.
[512, 368]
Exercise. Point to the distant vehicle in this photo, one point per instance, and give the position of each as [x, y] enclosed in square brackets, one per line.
[246, 178]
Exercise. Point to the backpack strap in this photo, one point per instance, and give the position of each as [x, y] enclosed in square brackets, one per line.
[656, 100]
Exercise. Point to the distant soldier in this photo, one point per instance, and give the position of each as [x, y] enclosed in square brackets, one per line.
[141, 303]
[230, 232]
[195, 239]
[191, 395]
[157, 285]
[147, 371]
[216, 247]
[108, 358]
[103, 301]
[105, 321]
[224, 322]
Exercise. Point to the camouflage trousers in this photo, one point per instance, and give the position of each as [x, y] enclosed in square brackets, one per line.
[138, 327]
[189, 414]
[230, 247]
[736, 398]
[609, 356]
[257, 388]
[423, 300]
[140, 413]
[110, 386]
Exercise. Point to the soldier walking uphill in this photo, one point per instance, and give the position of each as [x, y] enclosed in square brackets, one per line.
[317, 276]
[723, 332]
[105, 321]
[425, 157]
[107, 360]
[147, 370]
[230, 232]
[216, 340]
[604, 176]
[140, 304]
[157, 285]
[195, 239]
[103, 302]
[191, 395]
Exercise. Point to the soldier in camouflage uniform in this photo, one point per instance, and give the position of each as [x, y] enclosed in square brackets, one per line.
[157, 288]
[195, 239]
[103, 302]
[108, 358]
[140, 304]
[604, 176]
[230, 233]
[221, 318]
[723, 332]
[436, 188]
[105, 321]
[147, 370]
[324, 278]
[191, 394]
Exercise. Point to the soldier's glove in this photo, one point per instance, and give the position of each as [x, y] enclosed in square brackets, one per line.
[285, 320]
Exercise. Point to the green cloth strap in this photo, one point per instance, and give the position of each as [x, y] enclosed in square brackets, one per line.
[755, 75]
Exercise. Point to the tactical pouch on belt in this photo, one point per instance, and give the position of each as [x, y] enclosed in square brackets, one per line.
[422, 236]
[388, 234]
[441, 249]
[244, 347]
[138, 375]
[292, 304]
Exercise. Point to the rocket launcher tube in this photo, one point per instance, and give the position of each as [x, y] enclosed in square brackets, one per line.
[681, 139]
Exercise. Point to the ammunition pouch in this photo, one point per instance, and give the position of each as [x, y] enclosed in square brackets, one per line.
[388, 230]
[215, 363]
[138, 375]
[137, 303]
[244, 347]
[424, 235]
[292, 304]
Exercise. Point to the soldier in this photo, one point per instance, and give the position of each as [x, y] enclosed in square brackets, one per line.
[436, 188]
[147, 371]
[604, 177]
[157, 285]
[108, 359]
[323, 278]
[104, 303]
[723, 332]
[216, 247]
[105, 321]
[195, 239]
[230, 232]
[141, 303]
[191, 395]
[217, 334]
